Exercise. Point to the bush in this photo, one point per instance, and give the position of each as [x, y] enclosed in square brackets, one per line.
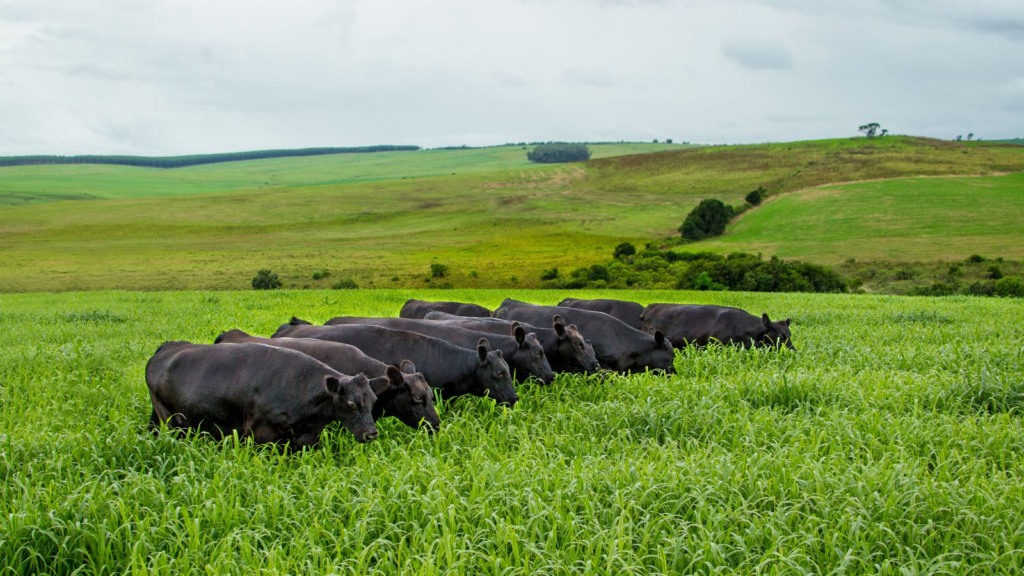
[319, 274]
[754, 197]
[438, 270]
[709, 218]
[345, 284]
[975, 259]
[995, 272]
[1009, 286]
[558, 152]
[549, 274]
[624, 250]
[265, 280]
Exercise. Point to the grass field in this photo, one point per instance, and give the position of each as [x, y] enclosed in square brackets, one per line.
[890, 442]
[495, 220]
[932, 218]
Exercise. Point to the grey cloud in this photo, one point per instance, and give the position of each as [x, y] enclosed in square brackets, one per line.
[758, 55]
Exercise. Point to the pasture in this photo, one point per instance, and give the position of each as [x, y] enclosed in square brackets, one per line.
[890, 442]
[492, 218]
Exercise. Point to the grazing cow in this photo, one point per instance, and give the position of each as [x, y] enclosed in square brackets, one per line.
[419, 308]
[522, 351]
[628, 312]
[401, 392]
[452, 369]
[267, 393]
[564, 346]
[700, 325]
[617, 345]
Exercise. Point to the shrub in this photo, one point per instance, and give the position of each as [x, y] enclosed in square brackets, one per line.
[1009, 286]
[438, 270]
[975, 259]
[549, 274]
[754, 197]
[265, 280]
[319, 274]
[624, 250]
[981, 289]
[345, 284]
[995, 272]
[704, 282]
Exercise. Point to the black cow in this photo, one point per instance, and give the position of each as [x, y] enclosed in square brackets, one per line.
[419, 308]
[522, 350]
[700, 325]
[401, 391]
[267, 393]
[452, 369]
[564, 346]
[618, 346]
[628, 312]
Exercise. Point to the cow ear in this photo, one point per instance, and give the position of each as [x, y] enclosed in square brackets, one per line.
[559, 328]
[394, 375]
[786, 322]
[764, 318]
[380, 385]
[659, 337]
[408, 367]
[482, 348]
[298, 321]
[519, 333]
[332, 385]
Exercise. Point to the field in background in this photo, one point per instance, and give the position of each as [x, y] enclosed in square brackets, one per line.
[891, 441]
[903, 219]
[492, 218]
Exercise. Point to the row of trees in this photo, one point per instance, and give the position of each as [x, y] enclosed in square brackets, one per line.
[653, 268]
[194, 159]
[558, 152]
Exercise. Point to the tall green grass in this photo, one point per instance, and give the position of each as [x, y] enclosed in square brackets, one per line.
[891, 442]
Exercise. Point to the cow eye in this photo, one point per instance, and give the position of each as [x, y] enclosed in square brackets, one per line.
[351, 405]
[539, 354]
[420, 399]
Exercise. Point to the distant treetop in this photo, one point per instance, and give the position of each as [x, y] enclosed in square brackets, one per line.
[558, 152]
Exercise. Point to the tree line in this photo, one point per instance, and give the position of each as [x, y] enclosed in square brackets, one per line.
[192, 159]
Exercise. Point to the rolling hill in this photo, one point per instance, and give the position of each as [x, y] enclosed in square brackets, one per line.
[491, 217]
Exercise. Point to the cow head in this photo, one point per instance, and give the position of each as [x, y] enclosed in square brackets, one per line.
[405, 394]
[492, 376]
[353, 404]
[530, 354]
[658, 355]
[776, 333]
[572, 346]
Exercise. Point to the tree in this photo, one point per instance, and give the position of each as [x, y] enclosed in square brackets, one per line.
[558, 152]
[871, 130]
[707, 219]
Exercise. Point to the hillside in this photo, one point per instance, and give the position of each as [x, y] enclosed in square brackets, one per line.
[491, 217]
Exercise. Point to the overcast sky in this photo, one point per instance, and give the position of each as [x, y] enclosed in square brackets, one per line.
[158, 77]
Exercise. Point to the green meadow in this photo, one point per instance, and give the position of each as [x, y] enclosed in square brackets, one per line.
[948, 218]
[889, 443]
[490, 216]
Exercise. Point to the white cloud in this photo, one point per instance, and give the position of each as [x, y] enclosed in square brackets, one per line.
[182, 76]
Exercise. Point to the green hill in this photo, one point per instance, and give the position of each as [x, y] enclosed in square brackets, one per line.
[490, 216]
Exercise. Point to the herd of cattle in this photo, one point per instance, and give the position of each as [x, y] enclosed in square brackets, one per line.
[289, 387]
